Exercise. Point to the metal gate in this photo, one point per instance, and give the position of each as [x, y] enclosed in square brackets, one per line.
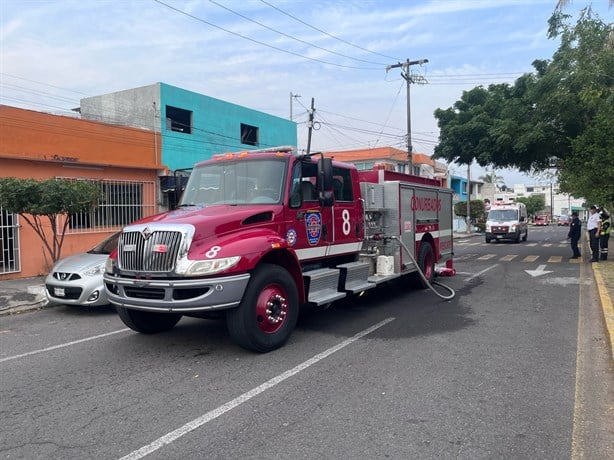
[9, 242]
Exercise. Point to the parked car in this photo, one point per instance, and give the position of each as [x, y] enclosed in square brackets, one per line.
[77, 280]
[564, 220]
[541, 220]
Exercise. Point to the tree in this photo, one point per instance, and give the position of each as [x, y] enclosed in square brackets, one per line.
[491, 178]
[534, 203]
[52, 199]
[476, 207]
[555, 117]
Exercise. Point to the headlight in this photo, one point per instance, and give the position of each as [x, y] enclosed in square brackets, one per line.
[488, 227]
[94, 270]
[209, 267]
[513, 228]
[108, 265]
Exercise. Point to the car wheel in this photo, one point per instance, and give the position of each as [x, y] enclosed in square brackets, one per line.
[268, 312]
[147, 322]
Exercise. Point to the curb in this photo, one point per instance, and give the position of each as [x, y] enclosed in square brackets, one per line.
[33, 298]
[606, 306]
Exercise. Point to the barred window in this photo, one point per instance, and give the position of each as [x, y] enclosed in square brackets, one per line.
[122, 203]
[9, 242]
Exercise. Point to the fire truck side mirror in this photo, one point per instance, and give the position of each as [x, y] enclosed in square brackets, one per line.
[325, 174]
[326, 196]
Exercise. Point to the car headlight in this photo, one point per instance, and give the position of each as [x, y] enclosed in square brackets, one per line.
[108, 265]
[513, 227]
[96, 270]
[209, 267]
[488, 227]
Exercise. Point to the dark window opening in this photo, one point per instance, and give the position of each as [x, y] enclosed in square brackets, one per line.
[342, 184]
[249, 134]
[179, 120]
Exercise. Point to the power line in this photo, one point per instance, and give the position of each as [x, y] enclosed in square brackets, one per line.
[292, 37]
[326, 33]
[262, 43]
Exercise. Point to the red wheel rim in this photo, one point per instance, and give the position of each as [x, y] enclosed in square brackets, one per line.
[271, 308]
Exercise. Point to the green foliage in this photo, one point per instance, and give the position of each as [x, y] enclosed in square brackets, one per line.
[476, 208]
[50, 199]
[534, 203]
[559, 115]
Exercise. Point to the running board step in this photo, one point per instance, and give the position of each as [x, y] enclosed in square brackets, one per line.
[322, 285]
[354, 277]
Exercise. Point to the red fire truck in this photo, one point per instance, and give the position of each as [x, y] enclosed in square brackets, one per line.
[259, 234]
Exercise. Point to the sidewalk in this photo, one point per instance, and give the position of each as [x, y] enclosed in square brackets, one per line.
[21, 295]
[27, 294]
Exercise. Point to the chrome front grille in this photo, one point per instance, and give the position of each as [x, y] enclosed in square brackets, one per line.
[154, 252]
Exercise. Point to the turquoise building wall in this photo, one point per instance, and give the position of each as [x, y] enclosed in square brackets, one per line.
[216, 128]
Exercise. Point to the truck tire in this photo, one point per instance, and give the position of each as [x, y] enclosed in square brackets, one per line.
[268, 312]
[147, 322]
[426, 262]
[526, 235]
[487, 240]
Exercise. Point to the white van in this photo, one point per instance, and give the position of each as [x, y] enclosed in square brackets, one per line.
[507, 222]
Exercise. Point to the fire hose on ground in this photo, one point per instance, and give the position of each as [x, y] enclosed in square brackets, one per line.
[426, 281]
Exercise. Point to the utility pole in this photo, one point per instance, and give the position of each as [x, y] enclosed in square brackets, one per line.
[469, 197]
[409, 78]
[292, 96]
[310, 125]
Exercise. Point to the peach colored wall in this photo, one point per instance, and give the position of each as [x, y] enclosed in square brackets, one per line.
[40, 146]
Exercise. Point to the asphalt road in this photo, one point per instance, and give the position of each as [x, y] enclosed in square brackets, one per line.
[516, 366]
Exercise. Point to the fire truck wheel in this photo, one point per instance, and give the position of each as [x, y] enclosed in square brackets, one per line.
[147, 322]
[426, 262]
[268, 312]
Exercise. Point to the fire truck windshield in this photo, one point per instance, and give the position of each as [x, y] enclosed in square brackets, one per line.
[503, 214]
[253, 181]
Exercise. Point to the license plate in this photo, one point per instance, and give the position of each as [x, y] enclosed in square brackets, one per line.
[499, 237]
[59, 292]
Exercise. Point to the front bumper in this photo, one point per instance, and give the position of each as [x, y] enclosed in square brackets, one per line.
[176, 295]
[502, 236]
[86, 291]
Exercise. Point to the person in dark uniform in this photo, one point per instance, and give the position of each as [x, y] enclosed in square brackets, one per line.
[575, 231]
[604, 235]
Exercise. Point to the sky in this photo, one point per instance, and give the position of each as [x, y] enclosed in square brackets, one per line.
[277, 56]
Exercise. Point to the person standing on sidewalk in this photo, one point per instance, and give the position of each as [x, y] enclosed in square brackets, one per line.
[575, 231]
[593, 225]
[604, 235]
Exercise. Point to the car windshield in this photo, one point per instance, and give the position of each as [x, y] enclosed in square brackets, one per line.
[503, 214]
[107, 246]
[236, 182]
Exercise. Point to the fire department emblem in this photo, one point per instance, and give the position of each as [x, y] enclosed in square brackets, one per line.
[313, 220]
[291, 237]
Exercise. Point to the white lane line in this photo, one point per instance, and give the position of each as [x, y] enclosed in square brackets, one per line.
[55, 347]
[215, 413]
[483, 271]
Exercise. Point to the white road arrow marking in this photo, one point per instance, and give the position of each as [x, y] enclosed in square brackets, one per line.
[538, 272]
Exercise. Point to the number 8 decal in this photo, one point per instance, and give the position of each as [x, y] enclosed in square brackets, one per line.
[345, 215]
[211, 253]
